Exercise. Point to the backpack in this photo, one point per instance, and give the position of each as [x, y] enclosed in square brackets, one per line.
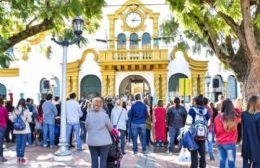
[200, 124]
[19, 124]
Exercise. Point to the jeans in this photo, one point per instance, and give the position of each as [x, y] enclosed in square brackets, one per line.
[101, 151]
[210, 145]
[194, 156]
[76, 129]
[122, 140]
[83, 131]
[173, 133]
[48, 128]
[138, 129]
[20, 145]
[148, 136]
[227, 152]
[247, 164]
[2, 136]
[130, 137]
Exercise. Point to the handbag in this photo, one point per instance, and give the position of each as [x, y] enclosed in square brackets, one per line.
[19, 124]
[184, 156]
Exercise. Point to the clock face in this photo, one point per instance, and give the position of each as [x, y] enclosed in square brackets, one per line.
[133, 20]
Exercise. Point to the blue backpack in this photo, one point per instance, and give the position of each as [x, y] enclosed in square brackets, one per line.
[19, 124]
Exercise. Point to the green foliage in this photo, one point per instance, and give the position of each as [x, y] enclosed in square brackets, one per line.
[191, 16]
[19, 15]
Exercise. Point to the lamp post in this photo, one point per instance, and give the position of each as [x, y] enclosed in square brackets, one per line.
[208, 80]
[78, 29]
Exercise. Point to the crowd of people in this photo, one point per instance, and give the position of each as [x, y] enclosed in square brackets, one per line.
[92, 121]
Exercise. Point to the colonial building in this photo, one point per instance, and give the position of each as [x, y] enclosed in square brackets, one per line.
[132, 60]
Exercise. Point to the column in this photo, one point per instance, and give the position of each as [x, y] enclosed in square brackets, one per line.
[156, 84]
[75, 81]
[194, 80]
[111, 89]
[202, 84]
[111, 31]
[68, 85]
[164, 86]
[104, 85]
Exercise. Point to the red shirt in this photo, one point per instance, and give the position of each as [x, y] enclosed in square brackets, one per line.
[224, 137]
[3, 117]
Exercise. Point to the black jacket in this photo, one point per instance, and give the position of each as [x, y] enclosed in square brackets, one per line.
[176, 117]
[251, 136]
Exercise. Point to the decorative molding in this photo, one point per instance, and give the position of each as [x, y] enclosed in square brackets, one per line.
[88, 51]
[10, 72]
[36, 39]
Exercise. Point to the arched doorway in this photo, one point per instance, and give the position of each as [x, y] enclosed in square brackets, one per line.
[173, 87]
[90, 86]
[3, 91]
[134, 84]
[217, 85]
[231, 88]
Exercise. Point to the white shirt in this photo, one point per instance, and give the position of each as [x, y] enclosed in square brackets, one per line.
[73, 111]
[115, 117]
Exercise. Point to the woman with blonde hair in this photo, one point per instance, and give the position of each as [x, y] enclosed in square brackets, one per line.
[98, 139]
[226, 134]
[251, 131]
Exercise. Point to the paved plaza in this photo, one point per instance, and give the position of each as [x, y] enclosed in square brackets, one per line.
[38, 157]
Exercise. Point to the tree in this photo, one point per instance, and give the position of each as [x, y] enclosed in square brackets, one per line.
[228, 28]
[20, 19]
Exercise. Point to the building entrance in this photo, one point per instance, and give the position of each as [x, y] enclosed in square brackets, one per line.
[134, 84]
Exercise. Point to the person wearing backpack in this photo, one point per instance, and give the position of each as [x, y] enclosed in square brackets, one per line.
[3, 125]
[198, 120]
[176, 117]
[21, 117]
[226, 134]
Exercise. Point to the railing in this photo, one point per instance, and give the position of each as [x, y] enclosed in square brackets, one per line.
[133, 55]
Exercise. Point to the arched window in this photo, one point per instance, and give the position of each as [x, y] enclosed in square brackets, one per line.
[173, 87]
[90, 86]
[231, 90]
[133, 41]
[217, 85]
[121, 41]
[146, 40]
[2, 91]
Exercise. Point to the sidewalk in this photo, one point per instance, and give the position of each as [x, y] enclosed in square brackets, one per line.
[38, 157]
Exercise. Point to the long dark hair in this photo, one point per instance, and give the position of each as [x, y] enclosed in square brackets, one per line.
[40, 107]
[21, 103]
[251, 105]
[228, 115]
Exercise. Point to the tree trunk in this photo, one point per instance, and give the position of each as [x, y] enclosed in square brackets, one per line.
[252, 83]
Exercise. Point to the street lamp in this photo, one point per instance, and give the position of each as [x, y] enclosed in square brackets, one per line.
[208, 80]
[78, 29]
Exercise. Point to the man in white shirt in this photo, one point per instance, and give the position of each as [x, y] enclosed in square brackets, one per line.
[119, 119]
[73, 115]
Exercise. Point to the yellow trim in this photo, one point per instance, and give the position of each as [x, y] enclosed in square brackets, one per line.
[86, 52]
[36, 39]
[13, 72]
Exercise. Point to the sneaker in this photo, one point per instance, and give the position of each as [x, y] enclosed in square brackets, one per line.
[45, 146]
[52, 146]
[170, 153]
[3, 159]
[135, 153]
[145, 152]
[22, 160]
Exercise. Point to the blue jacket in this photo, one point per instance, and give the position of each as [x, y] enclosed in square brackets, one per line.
[138, 113]
[188, 142]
